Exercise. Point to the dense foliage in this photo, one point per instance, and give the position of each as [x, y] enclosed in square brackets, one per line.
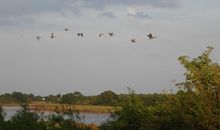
[133, 116]
[196, 106]
[107, 98]
[72, 98]
[24, 119]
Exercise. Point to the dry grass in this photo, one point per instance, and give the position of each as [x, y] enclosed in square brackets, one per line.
[47, 106]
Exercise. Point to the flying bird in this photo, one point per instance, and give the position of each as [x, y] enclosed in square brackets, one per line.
[133, 40]
[52, 36]
[66, 29]
[80, 34]
[150, 36]
[38, 37]
[101, 34]
[111, 34]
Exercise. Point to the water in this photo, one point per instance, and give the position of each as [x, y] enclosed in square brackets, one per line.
[96, 118]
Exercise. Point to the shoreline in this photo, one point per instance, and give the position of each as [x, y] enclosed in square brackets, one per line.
[51, 107]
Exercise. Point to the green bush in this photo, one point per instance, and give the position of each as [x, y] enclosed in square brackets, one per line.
[196, 106]
[132, 116]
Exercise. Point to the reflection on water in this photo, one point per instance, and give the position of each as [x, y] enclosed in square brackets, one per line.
[96, 118]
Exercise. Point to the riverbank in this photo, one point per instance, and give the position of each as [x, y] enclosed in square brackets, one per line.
[47, 106]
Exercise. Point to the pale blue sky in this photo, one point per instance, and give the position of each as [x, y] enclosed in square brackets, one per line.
[92, 64]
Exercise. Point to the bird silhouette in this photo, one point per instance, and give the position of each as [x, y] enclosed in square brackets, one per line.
[80, 34]
[133, 40]
[38, 37]
[101, 34]
[111, 34]
[66, 29]
[52, 36]
[150, 36]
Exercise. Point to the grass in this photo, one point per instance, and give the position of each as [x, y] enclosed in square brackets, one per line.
[47, 106]
[9, 101]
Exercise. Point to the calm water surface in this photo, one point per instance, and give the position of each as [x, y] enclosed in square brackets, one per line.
[96, 118]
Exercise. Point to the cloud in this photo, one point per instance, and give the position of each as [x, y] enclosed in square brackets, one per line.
[154, 3]
[132, 12]
[139, 15]
[24, 7]
[23, 12]
[14, 21]
[28, 9]
[107, 14]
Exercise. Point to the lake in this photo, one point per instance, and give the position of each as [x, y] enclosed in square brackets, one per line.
[96, 118]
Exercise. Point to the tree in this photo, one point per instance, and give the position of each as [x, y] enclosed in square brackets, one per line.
[72, 98]
[2, 116]
[196, 106]
[107, 98]
[132, 116]
[52, 98]
[20, 97]
[202, 76]
[26, 120]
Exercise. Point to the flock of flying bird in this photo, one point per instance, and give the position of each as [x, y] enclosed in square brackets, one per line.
[111, 34]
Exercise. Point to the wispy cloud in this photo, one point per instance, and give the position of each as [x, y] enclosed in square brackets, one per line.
[154, 3]
[139, 15]
[24, 10]
[107, 14]
[24, 7]
[132, 12]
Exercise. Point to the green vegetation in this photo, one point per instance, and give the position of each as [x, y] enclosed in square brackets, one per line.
[132, 116]
[24, 119]
[16, 97]
[195, 106]
[72, 98]
[106, 98]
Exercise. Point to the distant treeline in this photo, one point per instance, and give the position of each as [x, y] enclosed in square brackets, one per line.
[106, 98]
[195, 106]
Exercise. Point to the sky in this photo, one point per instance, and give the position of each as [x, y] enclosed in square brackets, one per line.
[91, 64]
